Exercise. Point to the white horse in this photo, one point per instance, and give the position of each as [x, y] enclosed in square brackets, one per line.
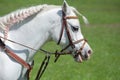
[33, 27]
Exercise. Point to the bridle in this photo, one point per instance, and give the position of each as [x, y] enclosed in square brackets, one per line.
[71, 43]
[47, 57]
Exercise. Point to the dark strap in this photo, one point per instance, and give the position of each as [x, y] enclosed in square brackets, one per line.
[61, 33]
[56, 56]
[17, 58]
[43, 67]
[2, 44]
[14, 56]
[62, 29]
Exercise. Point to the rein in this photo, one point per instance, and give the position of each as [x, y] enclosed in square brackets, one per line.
[24, 63]
[43, 67]
[47, 57]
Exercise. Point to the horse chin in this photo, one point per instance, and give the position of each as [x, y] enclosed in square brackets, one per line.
[78, 59]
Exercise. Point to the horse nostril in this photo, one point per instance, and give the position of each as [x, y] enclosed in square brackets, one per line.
[86, 56]
[89, 51]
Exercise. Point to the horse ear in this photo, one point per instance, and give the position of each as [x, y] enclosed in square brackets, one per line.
[65, 7]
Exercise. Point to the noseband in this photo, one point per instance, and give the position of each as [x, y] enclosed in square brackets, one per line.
[71, 43]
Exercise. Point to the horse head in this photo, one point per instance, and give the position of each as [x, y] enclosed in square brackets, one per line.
[70, 36]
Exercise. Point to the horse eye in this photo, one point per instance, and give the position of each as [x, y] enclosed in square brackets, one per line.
[75, 28]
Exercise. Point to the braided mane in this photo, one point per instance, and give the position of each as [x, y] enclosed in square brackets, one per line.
[19, 15]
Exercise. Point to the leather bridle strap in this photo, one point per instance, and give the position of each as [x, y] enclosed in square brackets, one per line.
[61, 33]
[79, 51]
[78, 41]
[15, 57]
[65, 26]
[43, 67]
[57, 54]
[71, 17]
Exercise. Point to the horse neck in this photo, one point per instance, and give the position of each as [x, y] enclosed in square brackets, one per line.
[33, 31]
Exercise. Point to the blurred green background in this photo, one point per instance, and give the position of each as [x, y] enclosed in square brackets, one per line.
[103, 35]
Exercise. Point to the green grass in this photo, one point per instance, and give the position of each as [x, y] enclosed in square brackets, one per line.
[103, 36]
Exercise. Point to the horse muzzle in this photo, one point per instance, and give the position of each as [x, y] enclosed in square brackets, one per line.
[79, 57]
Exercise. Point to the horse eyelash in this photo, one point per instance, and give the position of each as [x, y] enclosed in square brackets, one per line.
[75, 28]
